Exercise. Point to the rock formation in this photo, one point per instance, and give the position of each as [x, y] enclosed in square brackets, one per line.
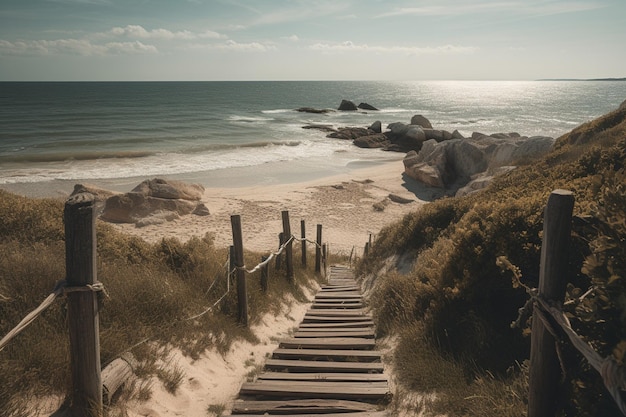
[155, 201]
[347, 105]
[313, 110]
[366, 106]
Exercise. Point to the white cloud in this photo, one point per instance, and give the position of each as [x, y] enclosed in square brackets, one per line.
[80, 47]
[292, 38]
[139, 32]
[231, 45]
[540, 7]
[349, 46]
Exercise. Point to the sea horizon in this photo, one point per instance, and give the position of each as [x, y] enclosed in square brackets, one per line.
[90, 131]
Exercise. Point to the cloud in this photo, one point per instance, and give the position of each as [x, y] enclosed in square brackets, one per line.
[139, 32]
[81, 47]
[304, 11]
[349, 46]
[231, 45]
[292, 38]
[541, 7]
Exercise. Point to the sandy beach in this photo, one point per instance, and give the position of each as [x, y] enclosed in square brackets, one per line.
[342, 203]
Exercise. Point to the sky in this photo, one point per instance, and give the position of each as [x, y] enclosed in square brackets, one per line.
[172, 40]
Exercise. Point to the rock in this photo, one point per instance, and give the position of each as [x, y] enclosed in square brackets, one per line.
[622, 106]
[347, 105]
[100, 194]
[170, 189]
[398, 128]
[420, 120]
[400, 200]
[465, 159]
[457, 135]
[366, 106]
[477, 135]
[155, 201]
[376, 127]
[323, 128]
[350, 133]
[474, 186]
[312, 110]
[378, 140]
[416, 134]
[438, 135]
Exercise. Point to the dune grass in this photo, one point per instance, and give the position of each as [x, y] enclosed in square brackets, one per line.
[151, 291]
[453, 309]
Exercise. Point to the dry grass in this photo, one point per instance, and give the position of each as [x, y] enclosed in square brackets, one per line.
[152, 291]
[453, 309]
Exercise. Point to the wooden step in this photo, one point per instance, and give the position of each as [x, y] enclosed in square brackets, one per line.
[328, 354]
[323, 376]
[368, 333]
[339, 325]
[328, 343]
[322, 366]
[325, 390]
[303, 407]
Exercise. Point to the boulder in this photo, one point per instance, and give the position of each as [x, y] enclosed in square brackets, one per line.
[347, 105]
[416, 134]
[170, 189]
[155, 201]
[399, 199]
[366, 106]
[420, 120]
[398, 128]
[323, 128]
[438, 135]
[622, 106]
[376, 127]
[377, 140]
[100, 194]
[457, 135]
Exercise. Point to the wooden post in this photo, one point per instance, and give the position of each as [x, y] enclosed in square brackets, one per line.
[544, 364]
[242, 294]
[303, 242]
[82, 306]
[318, 249]
[264, 274]
[279, 257]
[289, 247]
[367, 249]
[370, 241]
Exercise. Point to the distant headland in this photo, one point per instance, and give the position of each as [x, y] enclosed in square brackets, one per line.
[583, 79]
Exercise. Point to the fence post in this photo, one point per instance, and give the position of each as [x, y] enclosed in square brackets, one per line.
[318, 249]
[231, 262]
[303, 242]
[544, 373]
[325, 258]
[367, 249]
[82, 306]
[289, 247]
[264, 273]
[242, 295]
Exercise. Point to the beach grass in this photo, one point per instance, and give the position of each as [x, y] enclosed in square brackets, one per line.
[152, 290]
[452, 307]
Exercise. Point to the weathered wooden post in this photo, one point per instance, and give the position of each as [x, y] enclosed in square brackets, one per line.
[264, 274]
[242, 293]
[303, 242]
[82, 305]
[325, 258]
[367, 249]
[544, 364]
[289, 247]
[318, 249]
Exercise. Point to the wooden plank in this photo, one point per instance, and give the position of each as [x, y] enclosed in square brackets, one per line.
[368, 334]
[338, 294]
[326, 390]
[340, 414]
[334, 354]
[338, 312]
[323, 376]
[345, 306]
[322, 366]
[301, 407]
[335, 319]
[355, 324]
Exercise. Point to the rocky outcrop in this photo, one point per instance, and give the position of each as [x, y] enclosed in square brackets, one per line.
[313, 110]
[376, 127]
[366, 106]
[347, 105]
[351, 133]
[155, 201]
[420, 120]
[323, 128]
[455, 162]
[378, 140]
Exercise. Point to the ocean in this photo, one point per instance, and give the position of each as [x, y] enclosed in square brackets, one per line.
[205, 131]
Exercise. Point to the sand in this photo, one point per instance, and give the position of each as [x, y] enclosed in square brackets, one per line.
[342, 203]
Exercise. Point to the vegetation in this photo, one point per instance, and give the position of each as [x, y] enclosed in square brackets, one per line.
[452, 311]
[151, 292]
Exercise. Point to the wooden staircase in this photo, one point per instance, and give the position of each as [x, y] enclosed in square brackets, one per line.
[328, 367]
